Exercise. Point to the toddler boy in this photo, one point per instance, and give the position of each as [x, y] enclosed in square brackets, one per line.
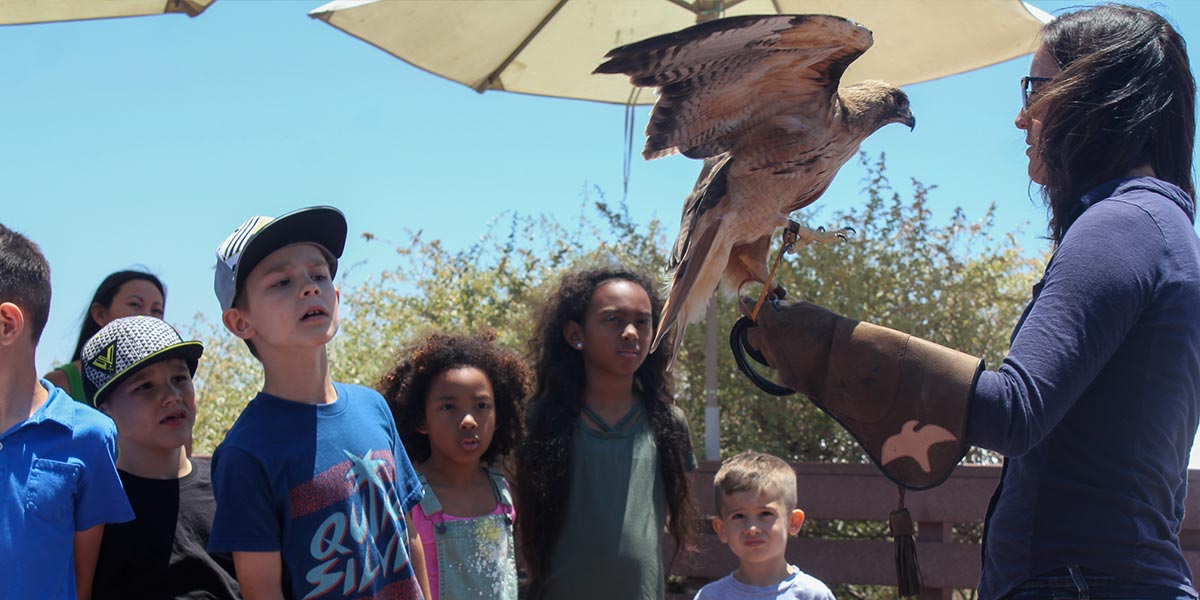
[58, 480]
[138, 371]
[756, 508]
[312, 483]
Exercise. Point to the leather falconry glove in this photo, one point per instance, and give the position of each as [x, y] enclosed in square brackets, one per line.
[903, 398]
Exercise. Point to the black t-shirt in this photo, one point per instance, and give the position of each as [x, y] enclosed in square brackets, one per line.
[161, 553]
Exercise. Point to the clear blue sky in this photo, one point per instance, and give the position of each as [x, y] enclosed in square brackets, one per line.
[143, 142]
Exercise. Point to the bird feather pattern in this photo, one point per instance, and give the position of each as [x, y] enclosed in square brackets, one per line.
[756, 97]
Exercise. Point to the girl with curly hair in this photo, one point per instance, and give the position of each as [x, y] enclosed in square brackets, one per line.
[457, 401]
[604, 464]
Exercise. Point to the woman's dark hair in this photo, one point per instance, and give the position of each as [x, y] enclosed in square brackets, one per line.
[1125, 98]
[543, 459]
[104, 297]
[406, 386]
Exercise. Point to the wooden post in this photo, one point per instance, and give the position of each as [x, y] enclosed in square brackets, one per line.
[940, 532]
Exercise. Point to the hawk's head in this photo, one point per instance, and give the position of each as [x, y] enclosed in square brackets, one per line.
[873, 104]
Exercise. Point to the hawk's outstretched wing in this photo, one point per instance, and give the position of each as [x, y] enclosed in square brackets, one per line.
[721, 78]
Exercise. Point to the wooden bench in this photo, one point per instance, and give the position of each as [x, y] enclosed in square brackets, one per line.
[861, 493]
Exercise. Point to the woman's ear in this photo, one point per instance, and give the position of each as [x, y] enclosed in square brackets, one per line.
[573, 333]
[99, 314]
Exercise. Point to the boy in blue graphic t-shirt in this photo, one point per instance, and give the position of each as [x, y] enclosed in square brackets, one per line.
[58, 478]
[313, 486]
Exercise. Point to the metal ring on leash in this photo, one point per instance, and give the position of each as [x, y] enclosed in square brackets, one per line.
[737, 343]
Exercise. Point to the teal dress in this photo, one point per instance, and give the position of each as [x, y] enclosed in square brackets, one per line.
[611, 542]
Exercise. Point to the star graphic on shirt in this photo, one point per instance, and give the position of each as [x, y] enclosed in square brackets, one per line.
[364, 470]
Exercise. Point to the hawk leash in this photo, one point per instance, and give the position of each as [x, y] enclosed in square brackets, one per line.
[791, 233]
[737, 336]
[737, 343]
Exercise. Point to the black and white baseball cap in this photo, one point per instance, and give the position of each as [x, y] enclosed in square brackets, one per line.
[258, 237]
[125, 346]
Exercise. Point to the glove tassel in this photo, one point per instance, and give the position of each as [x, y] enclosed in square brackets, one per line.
[908, 570]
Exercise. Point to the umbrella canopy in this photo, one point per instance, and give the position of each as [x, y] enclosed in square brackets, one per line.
[14, 12]
[550, 47]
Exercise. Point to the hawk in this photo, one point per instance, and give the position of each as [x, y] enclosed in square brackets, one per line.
[757, 98]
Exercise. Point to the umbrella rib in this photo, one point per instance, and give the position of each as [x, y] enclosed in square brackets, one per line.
[493, 78]
[723, 6]
[191, 8]
[690, 8]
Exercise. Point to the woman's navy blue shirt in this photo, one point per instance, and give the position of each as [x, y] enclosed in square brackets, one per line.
[1097, 403]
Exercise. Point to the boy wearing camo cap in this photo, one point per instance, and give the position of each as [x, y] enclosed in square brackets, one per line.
[138, 371]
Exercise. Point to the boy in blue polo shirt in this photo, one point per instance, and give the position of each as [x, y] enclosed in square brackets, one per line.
[58, 477]
[313, 486]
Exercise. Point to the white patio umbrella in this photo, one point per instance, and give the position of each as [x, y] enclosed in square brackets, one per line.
[550, 47]
[15, 12]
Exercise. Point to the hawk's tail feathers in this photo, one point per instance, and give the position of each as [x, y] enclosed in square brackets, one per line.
[694, 280]
[671, 326]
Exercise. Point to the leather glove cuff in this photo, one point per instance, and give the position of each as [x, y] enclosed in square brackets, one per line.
[903, 398]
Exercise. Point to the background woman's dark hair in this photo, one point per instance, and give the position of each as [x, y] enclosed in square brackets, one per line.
[1125, 98]
[104, 296]
[406, 386]
[543, 458]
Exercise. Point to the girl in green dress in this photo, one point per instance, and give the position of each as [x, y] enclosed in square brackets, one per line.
[603, 469]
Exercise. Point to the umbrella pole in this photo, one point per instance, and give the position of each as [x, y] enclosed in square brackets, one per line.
[712, 410]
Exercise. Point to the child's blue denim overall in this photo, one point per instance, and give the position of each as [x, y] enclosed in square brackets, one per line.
[476, 558]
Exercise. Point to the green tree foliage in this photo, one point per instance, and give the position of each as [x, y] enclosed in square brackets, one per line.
[958, 284]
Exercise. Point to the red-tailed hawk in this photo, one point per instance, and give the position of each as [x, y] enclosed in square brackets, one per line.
[756, 97]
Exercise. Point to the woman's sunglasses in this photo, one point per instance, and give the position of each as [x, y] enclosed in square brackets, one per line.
[1030, 87]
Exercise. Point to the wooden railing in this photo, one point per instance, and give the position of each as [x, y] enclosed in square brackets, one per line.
[860, 493]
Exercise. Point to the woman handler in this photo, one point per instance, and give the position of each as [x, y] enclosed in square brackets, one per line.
[1097, 403]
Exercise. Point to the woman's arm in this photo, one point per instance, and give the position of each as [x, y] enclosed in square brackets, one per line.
[59, 379]
[1096, 286]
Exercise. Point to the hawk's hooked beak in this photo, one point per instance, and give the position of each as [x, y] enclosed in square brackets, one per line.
[907, 118]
